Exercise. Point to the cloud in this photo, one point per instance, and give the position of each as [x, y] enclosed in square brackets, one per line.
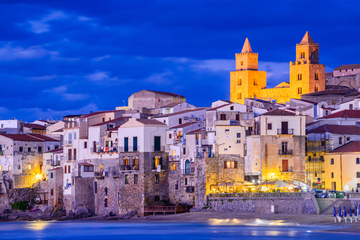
[75, 97]
[100, 76]
[58, 90]
[214, 65]
[3, 110]
[83, 18]
[160, 78]
[42, 25]
[8, 53]
[43, 78]
[101, 58]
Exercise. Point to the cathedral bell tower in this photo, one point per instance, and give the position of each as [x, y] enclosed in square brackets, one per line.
[246, 81]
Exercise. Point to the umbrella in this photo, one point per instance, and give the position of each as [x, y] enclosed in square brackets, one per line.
[238, 184]
[223, 184]
[267, 182]
[279, 183]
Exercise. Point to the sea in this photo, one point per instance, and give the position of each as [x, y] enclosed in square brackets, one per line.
[212, 229]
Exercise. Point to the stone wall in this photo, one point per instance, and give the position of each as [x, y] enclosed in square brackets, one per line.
[263, 205]
[84, 194]
[55, 182]
[177, 186]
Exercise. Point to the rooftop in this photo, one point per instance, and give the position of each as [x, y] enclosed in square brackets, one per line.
[57, 150]
[342, 91]
[100, 112]
[337, 129]
[167, 93]
[343, 114]
[181, 112]
[278, 112]
[110, 121]
[348, 66]
[34, 126]
[171, 104]
[353, 146]
[184, 125]
[30, 137]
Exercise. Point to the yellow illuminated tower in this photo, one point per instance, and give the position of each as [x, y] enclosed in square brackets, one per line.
[246, 81]
[306, 74]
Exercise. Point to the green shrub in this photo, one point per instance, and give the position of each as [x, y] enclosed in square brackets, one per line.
[20, 205]
[230, 200]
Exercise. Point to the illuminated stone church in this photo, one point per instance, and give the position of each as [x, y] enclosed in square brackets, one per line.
[306, 75]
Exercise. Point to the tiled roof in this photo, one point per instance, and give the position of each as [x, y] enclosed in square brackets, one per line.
[96, 113]
[184, 125]
[29, 137]
[110, 121]
[337, 129]
[113, 129]
[278, 112]
[58, 150]
[343, 114]
[86, 164]
[181, 112]
[309, 124]
[172, 104]
[55, 169]
[349, 66]
[314, 103]
[72, 116]
[167, 93]
[34, 126]
[349, 147]
[342, 91]
[198, 131]
[215, 108]
[150, 122]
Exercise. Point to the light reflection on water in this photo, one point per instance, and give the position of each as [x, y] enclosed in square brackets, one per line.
[213, 229]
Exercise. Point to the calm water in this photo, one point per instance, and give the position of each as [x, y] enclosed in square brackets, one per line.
[213, 229]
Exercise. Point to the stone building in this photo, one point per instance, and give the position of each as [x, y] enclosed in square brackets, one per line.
[306, 75]
[276, 147]
[345, 75]
[153, 99]
[55, 188]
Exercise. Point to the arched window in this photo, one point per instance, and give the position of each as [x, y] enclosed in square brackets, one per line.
[157, 178]
[332, 175]
[241, 63]
[106, 201]
[187, 167]
[157, 161]
[186, 181]
[316, 88]
[173, 167]
[309, 158]
[126, 161]
[332, 161]
[358, 174]
[255, 81]
[239, 95]
[299, 90]
[302, 55]
[106, 191]
[317, 76]
[357, 160]
[177, 185]
[299, 76]
[239, 81]
[136, 164]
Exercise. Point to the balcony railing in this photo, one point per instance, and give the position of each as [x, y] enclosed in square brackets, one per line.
[53, 162]
[71, 124]
[68, 142]
[129, 149]
[158, 149]
[288, 169]
[227, 123]
[101, 175]
[104, 150]
[162, 167]
[129, 167]
[285, 131]
[188, 171]
[285, 152]
[70, 158]
[174, 158]
[199, 154]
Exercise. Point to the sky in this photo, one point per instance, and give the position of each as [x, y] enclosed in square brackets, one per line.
[72, 57]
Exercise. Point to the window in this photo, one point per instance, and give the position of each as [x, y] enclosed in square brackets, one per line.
[157, 179]
[51, 175]
[238, 141]
[157, 198]
[136, 179]
[88, 168]
[74, 136]
[187, 167]
[333, 102]
[239, 81]
[302, 55]
[332, 161]
[29, 149]
[358, 174]
[348, 139]
[222, 116]
[21, 149]
[340, 140]
[322, 158]
[299, 76]
[39, 149]
[316, 88]
[180, 121]
[157, 144]
[126, 179]
[52, 192]
[230, 164]
[135, 147]
[95, 187]
[106, 191]
[269, 126]
[299, 90]
[106, 201]
[69, 169]
[177, 185]
[357, 160]
[126, 144]
[255, 81]
[241, 63]
[316, 76]
[85, 144]
[184, 150]
[237, 116]
[170, 135]
[227, 130]
[358, 185]
[186, 181]
[232, 108]
[238, 135]
[332, 175]
[29, 166]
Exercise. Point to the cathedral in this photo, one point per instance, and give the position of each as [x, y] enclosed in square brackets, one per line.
[306, 75]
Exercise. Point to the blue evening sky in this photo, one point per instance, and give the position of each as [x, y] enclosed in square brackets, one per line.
[65, 57]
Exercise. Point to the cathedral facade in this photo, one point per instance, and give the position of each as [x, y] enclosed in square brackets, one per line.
[306, 75]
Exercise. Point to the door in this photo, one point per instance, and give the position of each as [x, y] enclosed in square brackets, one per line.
[74, 153]
[284, 127]
[285, 166]
[333, 186]
[126, 144]
[79, 170]
[94, 146]
[187, 167]
[69, 154]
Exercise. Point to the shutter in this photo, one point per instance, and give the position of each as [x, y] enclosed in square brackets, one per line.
[153, 162]
[65, 168]
[224, 164]
[235, 164]
[160, 160]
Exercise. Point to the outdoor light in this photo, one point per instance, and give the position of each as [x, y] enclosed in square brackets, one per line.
[253, 181]
[38, 177]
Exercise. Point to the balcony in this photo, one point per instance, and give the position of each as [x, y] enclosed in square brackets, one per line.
[286, 170]
[71, 124]
[162, 167]
[67, 142]
[174, 158]
[129, 149]
[285, 152]
[68, 158]
[188, 171]
[227, 123]
[178, 139]
[52, 162]
[129, 167]
[285, 131]
[104, 150]
[199, 154]
[158, 149]
[100, 175]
